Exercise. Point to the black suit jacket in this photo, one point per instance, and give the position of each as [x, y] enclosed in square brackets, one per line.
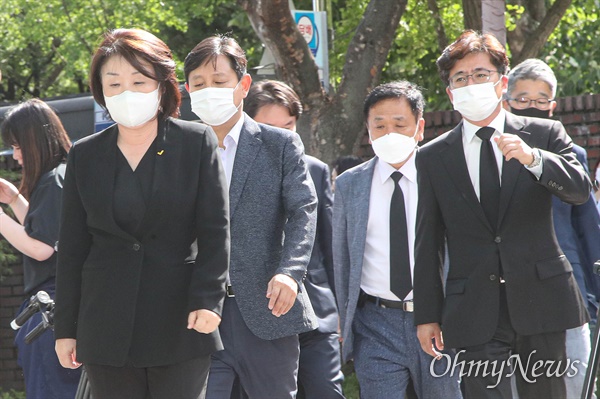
[319, 277]
[541, 292]
[128, 299]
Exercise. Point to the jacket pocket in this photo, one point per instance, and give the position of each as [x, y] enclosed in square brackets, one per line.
[454, 287]
[553, 267]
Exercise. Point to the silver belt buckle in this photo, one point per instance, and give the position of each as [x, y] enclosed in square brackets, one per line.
[229, 291]
[408, 306]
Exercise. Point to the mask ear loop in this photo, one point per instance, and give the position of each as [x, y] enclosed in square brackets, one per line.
[160, 108]
[233, 99]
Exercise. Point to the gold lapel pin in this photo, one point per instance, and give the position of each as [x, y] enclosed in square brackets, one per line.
[160, 152]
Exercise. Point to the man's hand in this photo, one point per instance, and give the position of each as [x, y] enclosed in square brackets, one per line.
[512, 146]
[66, 350]
[281, 291]
[203, 320]
[427, 332]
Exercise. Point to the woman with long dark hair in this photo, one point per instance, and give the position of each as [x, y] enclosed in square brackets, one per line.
[40, 145]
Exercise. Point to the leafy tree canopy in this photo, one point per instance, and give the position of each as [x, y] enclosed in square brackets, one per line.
[47, 45]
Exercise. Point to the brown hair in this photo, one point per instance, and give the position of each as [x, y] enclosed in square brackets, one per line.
[272, 92]
[137, 47]
[469, 42]
[36, 129]
[210, 48]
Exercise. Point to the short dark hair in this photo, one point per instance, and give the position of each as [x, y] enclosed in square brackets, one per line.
[36, 129]
[272, 92]
[532, 69]
[210, 48]
[470, 42]
[398, 89]
[137, 46]
[345, 162]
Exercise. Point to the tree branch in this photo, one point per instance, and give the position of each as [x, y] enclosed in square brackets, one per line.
[442, 38]
[535, 42]
[274, 24]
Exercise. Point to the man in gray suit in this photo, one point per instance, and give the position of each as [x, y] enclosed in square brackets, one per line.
[374, 218]
[273, 221]
[319, 373]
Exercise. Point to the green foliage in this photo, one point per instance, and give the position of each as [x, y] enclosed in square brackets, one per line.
[513, 14]
[47, 45]
[347, 14]
[8, 255]
[572, 50]
[350, 386]
[12, 394]
[416, 49]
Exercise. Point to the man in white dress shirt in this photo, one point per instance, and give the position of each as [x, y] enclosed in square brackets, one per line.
[374, 215]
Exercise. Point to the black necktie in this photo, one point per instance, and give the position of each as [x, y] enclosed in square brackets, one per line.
[400, 278]
[489, 181]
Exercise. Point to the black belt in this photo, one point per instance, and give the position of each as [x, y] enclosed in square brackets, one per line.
[407, 306]
[229, 291]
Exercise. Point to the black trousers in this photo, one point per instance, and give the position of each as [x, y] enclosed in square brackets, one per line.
[538, 362]
[186, 380]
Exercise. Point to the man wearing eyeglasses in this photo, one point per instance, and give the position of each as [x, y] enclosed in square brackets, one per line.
[531, 92]
[485, 189]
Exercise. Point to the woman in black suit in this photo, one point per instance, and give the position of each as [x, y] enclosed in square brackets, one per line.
[144, 240]
[40, 145]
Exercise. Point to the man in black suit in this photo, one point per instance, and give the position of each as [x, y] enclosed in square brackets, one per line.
[319, 374]
[485, 189]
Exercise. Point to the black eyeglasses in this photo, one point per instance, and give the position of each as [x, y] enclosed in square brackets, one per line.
[479, 76]
[524, 103]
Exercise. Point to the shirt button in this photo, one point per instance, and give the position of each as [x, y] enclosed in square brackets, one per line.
[493, 277]
[498, 240]
[136, 247]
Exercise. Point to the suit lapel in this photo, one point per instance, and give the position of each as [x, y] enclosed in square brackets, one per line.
[166, 161]
[453, 158]
[104, 181]
[512, 168]
[249, 145]
[360, 197]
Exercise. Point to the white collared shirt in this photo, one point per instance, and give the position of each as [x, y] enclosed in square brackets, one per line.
[472, 147]
[230, 142]
[375, 279]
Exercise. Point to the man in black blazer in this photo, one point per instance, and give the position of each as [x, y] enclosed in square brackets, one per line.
[510, 292]
[319, 373]
[273, 220]
[531, 91]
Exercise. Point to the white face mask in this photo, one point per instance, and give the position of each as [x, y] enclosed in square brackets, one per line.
[598, 174]
[476, 102]
[132, 108]
[214, 105]
[394, 148]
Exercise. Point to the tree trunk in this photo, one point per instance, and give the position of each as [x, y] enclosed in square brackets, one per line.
[492, 17]
[332, 123]
[472, 14]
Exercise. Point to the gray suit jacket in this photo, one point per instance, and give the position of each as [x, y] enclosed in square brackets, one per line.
[319, 280]
[350, 216]
[273, 220]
